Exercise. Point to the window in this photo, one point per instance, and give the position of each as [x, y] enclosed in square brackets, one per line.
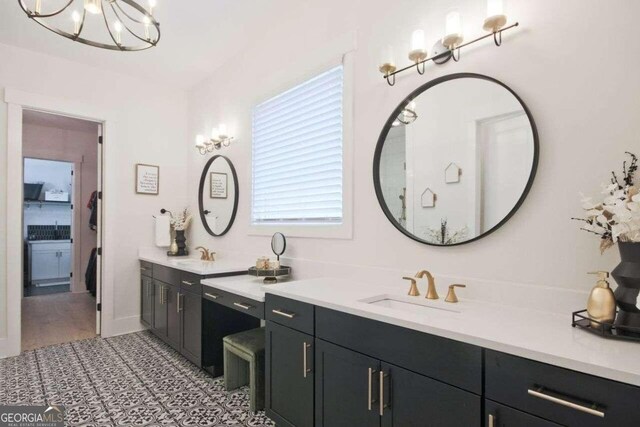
[298, 154]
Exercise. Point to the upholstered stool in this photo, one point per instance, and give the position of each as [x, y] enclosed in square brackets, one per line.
[244, 364]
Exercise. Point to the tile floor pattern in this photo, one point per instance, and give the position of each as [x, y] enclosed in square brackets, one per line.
[129, 380]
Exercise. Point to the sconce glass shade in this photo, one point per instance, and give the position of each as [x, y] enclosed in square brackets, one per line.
[200, 141]
[387, 61]
[222, 129]
[496, 18]
[418, 47]
[215, 133]
[453, 30]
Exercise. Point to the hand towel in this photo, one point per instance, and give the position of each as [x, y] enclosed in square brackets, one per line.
[163, 231]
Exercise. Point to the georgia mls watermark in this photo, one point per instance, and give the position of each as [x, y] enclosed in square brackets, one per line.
[32, 416]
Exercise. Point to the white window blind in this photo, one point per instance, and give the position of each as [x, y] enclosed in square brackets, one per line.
[297, 154]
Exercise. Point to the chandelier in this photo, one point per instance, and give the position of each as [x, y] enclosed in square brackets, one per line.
[108, 24]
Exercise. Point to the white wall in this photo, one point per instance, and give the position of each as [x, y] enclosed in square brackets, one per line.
[579, 85]
[147, 125]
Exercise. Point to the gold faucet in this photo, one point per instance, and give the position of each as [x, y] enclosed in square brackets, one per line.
[413, 290]
[451, 295]
[205, 254]
[431, 289]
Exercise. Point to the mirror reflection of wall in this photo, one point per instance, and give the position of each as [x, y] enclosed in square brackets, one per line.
[219, 195]
[481, 128]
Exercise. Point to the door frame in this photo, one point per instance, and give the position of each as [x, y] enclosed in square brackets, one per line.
[17, 101]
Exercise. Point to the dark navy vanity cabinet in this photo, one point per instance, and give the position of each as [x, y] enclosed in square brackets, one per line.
[174, 309]
[326, 368]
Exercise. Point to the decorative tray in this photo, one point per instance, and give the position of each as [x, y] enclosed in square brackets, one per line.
[270, 275]
[606, 330]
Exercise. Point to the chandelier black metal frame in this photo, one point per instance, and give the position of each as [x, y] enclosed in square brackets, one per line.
[145, 20]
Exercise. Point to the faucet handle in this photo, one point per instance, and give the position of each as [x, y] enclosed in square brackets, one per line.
[451, 295]
[413, 290]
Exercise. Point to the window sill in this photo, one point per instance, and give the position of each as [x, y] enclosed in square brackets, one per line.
[319, 231]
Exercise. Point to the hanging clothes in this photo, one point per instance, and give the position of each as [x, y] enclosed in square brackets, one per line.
[93, 205]
[90, 276]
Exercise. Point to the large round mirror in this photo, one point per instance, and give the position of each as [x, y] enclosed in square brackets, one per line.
[218, 195]
[455, 159]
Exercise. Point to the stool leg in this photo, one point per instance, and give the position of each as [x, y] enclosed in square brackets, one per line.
[260, 380]
[235, 370]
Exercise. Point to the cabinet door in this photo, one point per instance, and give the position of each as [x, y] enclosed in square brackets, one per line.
[44, 264]
[347, 387]
[160, 309]
[64, 263]
[146, 301]
[173, 316]
[191, 326]
[410, 399]
[290, 376]
[498, 415]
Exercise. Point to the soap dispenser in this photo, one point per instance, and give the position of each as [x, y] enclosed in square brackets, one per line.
[602, 302]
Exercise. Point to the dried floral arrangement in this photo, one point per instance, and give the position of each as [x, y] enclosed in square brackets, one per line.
[443, 236]
[181, 220]
[617, 216]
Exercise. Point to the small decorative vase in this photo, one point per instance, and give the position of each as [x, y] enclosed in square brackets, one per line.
[181, 243]
[627, 275]
[173, 249]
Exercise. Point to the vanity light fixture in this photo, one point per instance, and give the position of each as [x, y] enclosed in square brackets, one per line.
[139, 23]
[219, 138]
[449, 46]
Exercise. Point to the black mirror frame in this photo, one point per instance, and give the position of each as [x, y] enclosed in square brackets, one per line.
[203, 180]
[398, 110]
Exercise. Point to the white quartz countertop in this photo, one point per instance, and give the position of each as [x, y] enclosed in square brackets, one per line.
[247, 286]
[195, 265]
[532, 334]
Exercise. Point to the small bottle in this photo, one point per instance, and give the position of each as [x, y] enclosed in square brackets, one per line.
[601, 305]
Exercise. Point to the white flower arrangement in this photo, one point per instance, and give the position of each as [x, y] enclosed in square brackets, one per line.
[617, 217]
[181, 221]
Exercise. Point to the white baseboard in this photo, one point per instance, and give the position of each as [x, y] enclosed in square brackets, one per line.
[6, 349]
[125, 325]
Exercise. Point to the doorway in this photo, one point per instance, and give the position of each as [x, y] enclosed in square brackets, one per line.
[60, 229]
[503, 150]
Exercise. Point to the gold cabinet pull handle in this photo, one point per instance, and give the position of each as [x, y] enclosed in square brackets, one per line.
[187, 283]
[144, 269]
[283, 313]
[305, 369]
[541, 395]
[243, 306]
[370, 400]
[214, 296]
[492, 421]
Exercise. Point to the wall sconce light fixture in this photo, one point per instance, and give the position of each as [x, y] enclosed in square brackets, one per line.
[449, 46]
[219, 138]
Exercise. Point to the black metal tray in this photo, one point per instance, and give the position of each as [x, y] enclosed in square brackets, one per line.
[270, 275]
[606, 330]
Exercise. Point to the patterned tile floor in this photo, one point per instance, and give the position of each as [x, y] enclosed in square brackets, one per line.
[129, 380]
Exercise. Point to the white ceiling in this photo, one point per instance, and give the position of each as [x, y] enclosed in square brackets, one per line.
[197, 37]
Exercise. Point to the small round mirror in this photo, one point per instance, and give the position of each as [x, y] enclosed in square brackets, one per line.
[278, 244]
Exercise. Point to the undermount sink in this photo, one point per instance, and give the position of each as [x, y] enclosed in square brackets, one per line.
[405, 303]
